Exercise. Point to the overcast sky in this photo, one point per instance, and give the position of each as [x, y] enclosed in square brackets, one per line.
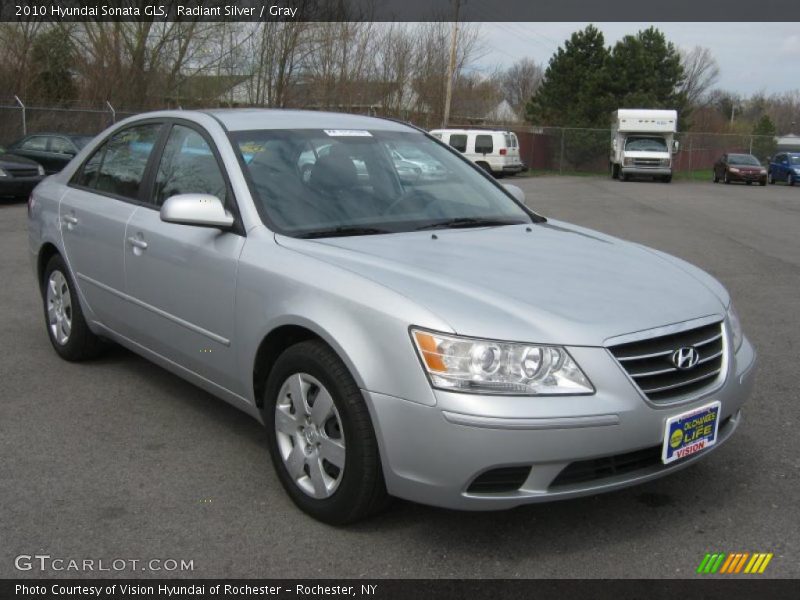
[752, 56]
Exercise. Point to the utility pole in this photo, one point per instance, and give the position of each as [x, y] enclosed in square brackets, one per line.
[451, 68]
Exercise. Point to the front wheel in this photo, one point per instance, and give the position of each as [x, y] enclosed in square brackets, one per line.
[716, 177]
[771, 178]
[726, 178]
[320, 436]
[790, 179]
[67, 329]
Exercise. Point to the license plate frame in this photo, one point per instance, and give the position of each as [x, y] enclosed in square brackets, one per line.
[695, 435]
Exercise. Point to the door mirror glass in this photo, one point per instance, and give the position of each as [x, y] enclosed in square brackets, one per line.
[676, 145]
[515, 191]
[201, 210]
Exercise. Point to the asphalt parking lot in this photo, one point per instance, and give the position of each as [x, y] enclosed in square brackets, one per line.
[119, 459]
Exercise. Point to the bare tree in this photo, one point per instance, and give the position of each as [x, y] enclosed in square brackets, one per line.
[519, 82]
[701, 72]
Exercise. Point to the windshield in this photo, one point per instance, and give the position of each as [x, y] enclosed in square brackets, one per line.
[81, 140]
[795, 159]
[646, 144]
[342, 182]
[743, 159]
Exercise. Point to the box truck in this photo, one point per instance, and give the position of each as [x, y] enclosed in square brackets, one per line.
[642, 143]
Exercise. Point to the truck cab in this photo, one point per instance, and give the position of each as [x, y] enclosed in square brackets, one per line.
[643, 143]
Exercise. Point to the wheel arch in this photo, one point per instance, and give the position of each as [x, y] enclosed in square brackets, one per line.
[47, 251]
[281, 337]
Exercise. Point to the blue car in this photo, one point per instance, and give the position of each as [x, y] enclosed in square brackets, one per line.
[785, 166]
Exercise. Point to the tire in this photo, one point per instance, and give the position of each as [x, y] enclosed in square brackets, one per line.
[715, 176]
[749, 182]
[771, 178]
[790, 179]
[726, 179]
[67, 329]
[762, 182]
[331, 493]
[485, 166]
[667, 179]
[614, 171]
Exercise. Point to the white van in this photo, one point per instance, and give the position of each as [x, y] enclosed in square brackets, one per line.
[494, 150]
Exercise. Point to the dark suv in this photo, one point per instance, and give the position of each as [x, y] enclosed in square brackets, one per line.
[51, 150]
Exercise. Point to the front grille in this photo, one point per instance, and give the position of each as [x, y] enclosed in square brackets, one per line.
[505, 479]
[22, 172]
[649, 362]
[647, 162]
[619, 464]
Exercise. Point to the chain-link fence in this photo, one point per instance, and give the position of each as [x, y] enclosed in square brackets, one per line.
[567, 150]
[561, 150]
[18, 119]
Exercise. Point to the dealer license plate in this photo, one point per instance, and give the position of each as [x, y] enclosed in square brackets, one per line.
[690, 432]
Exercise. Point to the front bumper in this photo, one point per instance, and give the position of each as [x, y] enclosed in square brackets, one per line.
[432, 454]
[647, 171]
[18, 187]
[754, 177]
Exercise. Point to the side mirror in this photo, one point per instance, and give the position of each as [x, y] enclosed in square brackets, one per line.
[515, 191]
[201, 210]
[614, 144]
[676, 145]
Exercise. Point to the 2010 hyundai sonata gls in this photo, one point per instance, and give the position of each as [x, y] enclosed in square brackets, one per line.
[398, 335]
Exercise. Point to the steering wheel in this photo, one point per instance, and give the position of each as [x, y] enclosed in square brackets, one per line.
[420, 196]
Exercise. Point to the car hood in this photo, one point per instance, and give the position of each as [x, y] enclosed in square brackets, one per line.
[556, 283]
[11, 160]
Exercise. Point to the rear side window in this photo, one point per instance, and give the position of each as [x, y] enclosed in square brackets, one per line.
[61, 145]
[125, 160]
[188, 166]
[484, 144]
[459, 141]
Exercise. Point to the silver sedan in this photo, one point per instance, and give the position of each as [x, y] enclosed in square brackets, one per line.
[427, 338]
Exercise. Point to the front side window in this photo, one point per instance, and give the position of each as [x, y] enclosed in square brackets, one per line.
[188, 166]
[459, 141]
[312, 183]
[37, 144]
[646, 144]
[795, 158]
[483, 144]
[125, 160]
[87, 176]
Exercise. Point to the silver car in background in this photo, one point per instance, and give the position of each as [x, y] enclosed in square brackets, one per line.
[429, 338]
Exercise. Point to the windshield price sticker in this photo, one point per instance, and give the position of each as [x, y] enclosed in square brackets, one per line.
[347, 133]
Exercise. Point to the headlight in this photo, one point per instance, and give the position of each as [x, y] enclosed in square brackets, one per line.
[493, 367]
[3, 173]
[736, 327]
[733, 169]
[763, 171]
[664, 162]
[40, 169]
[797, 171]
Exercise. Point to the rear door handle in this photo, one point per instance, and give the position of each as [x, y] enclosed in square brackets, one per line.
[70, 220]
[137, 243]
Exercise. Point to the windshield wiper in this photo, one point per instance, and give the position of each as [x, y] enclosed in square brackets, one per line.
[463, 222]
[342, 231]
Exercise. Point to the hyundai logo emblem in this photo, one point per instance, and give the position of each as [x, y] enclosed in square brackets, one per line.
[685, 358]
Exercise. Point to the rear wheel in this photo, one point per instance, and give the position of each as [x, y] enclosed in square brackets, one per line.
[485, 166]
[320, 436]
[67, 329]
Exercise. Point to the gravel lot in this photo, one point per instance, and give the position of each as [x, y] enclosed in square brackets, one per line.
[120, 459]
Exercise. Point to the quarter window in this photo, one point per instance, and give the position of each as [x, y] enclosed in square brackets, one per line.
[125, 160]
[87, 176]
[188, 166]
[459, 141]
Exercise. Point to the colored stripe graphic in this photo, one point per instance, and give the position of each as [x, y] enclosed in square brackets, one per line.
[734, 563]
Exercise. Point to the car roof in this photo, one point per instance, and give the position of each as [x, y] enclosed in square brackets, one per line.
[469, 131]
[239, 119]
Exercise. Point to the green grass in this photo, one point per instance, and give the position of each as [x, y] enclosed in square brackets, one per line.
[695, 175]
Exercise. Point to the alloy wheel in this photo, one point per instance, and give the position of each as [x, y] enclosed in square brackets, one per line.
[310, 435]
[59, 307]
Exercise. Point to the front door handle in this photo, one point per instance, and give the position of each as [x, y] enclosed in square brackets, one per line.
[69, 220]
[137, 243]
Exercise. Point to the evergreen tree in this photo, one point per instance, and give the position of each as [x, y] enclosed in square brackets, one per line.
[764, 145]
[52, 59]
